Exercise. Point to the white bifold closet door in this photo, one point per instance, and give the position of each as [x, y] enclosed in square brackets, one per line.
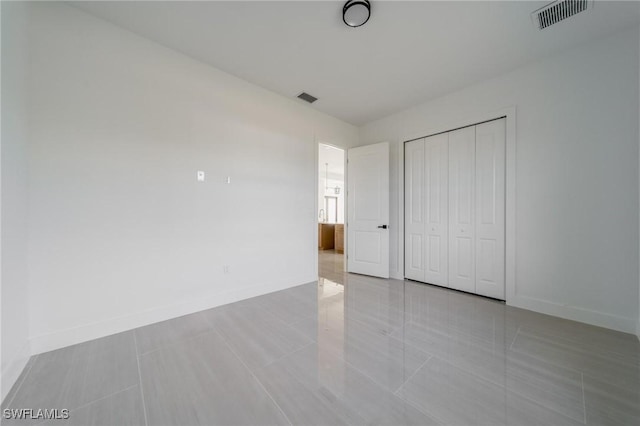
[462, 162]
[454, 209]
[414, 217]
[426, 210]
[490, 209]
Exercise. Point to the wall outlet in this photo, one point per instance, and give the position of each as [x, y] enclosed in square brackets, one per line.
[225, 269]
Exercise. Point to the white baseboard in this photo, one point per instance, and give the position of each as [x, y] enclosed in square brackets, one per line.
[600, 319]
[86, 332]
[13, 369]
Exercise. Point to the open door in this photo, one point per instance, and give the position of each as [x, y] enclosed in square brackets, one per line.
[368, 210]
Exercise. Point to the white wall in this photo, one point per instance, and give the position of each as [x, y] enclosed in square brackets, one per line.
[13, 292]
[121, 234]
[576, 176]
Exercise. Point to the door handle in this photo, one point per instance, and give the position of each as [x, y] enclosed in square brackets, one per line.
[382, 226]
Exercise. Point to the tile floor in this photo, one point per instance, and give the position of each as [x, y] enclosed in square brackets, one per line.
[348, 349]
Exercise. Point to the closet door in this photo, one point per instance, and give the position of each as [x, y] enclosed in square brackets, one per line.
[414, 241]
[462, 209]
[490, 206]
[436, 209]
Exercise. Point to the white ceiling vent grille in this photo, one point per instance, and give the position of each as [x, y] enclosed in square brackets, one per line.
[558, 11]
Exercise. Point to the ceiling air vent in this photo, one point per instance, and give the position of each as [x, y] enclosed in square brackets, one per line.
[558, 11]
[307, 97]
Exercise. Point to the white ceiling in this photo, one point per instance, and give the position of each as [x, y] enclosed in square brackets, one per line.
[408, 52]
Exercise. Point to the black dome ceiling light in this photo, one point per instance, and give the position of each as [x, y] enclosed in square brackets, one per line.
[356, 13]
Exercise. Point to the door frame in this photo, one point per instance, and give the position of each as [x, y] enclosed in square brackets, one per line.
[509, 113]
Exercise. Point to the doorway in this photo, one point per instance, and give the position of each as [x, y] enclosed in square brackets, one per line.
[331, 210]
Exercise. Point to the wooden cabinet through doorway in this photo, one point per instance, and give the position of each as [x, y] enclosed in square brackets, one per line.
[339, 238]
[326, 236]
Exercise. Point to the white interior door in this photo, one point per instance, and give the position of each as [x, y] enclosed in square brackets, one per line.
[436, 209]
[414, 222]
[489, 221]
[368, 210]
[462, 209]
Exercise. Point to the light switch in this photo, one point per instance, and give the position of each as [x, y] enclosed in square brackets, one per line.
[200, 176]
[227, 179]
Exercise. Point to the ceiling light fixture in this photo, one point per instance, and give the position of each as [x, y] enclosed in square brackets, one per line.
[356, 13]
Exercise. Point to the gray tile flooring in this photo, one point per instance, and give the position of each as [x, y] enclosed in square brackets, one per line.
[347, 349]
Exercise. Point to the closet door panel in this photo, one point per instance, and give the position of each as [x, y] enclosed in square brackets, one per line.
[490, 203]
[414, 240]
[436, 208]
[462, 209]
